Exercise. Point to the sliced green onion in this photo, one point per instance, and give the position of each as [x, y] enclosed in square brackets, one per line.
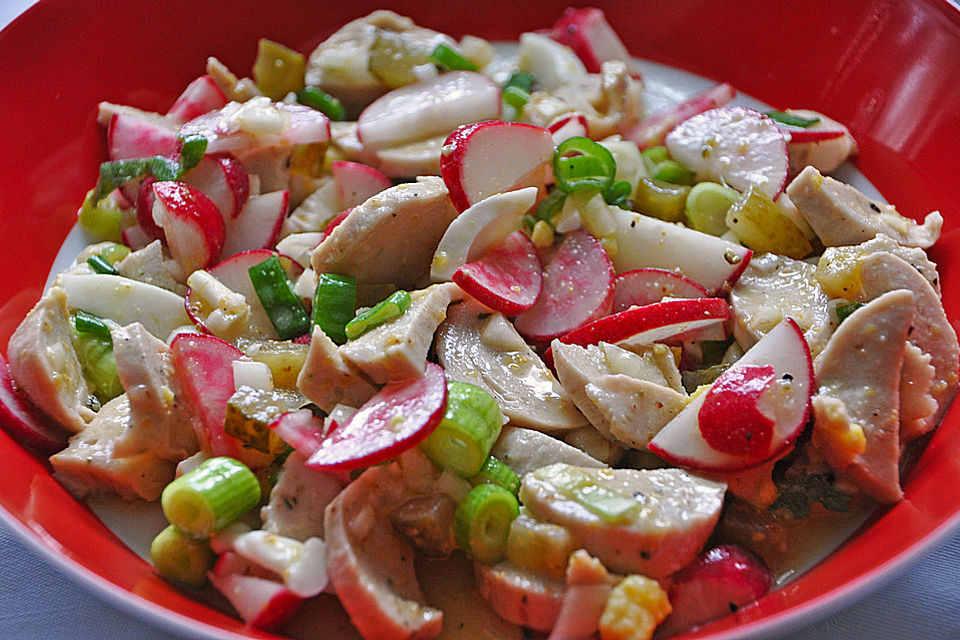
[618, 193]
[177, 557]
[385, 311]
[495, 472]
[706, 207]
[673, 172]
[99, 265]
[210, 497]
[333, 304]
[522, 80]
[101, 217]
[94, 347]
[653, 156]
[844, 311]
[550, 206]
[591, 166]
[528, 222]
[659, 199]
[114, 252]
[323, 102]
[192, 148]
[470, 425]
[115, 173]
[515, 97]
[792, 119]
[481, 523]
[450, 59]
[91, 325]
[282, 305]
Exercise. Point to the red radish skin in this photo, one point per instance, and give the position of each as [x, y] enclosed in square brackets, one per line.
[130, 137]
[481, 159]
[191, 223]
[591, 37]
[200, 96]
[23, 421]
[301, 429]
[144, 206]
[577, 289]
[681, 442]
[745, 149]
[718, 582]
[204, 365]
[429, 108]
[507, 278]
[232, 563]
[652, 131]
[568, 127]
[337, 219]
[225, 181]
[357, 182]
[797, 136]
[730, 418]
[641, 287]
[259, 223]
[397, 418]
[261, 603]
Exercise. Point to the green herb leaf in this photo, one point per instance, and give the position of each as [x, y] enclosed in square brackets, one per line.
[515, 97]
[522, 80]
[192, 149]
[845, 310]
[798, 496]
[792, 120]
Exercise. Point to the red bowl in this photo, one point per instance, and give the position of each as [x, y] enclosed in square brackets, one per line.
[887, 69]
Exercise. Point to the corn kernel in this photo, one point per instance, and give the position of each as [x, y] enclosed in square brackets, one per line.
[634, 609]
[542, 235]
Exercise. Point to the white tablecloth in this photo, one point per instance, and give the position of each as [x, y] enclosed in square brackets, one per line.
[39, 603]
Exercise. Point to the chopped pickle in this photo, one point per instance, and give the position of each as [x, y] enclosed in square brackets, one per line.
[762, 225]
[101, 218]
[660, 199]
[542, 547]
[278, 70]
[838, 272]
[394, 55]
[250, 411]
[284, 358]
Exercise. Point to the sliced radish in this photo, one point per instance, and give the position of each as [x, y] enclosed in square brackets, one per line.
[643, 241]
[258, 123]
[478, 228]
[507, 278]
[786, 401]
[356, 182]
[204, 365]
[796, 135]
[191, 223]
[23, 421]
[261, 603]
[733, 145]
[569, 126]
[484, 158]
[225, 181]
[577, 289]
[651, 131]
[335, 222]
[136, 237]
[591, 37]
[259, 223]
[302, 565]
[144, 206]
[641, 287]
[730, 418]
[719, 581]
[301, 429]
[651, 323]
[200, 96]
[430, 108]
[397, 418]
[232, 563]
[131, 137]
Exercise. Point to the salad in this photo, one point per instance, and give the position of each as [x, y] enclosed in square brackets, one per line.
[404, 312]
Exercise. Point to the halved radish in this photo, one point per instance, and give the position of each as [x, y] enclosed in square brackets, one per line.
[200, 96]
[569, 126]
[730, 418]
[131, 137]
[258, 123]
[591, 37]
[204, 365]
[259, 223]
[577, 289]
[484, 158]
[225, 181]
[507, 278]
[144, 207]
[651, 131]
[643, 241]
[397, 418]
[191, 223]
[651, 323]
[719, 581]
[430, 108]
[300, 429]
[479, 228]
[23, 421]
[356, 182]
[786, 401]
[733, 145]
[261, 603]
[641, 287]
